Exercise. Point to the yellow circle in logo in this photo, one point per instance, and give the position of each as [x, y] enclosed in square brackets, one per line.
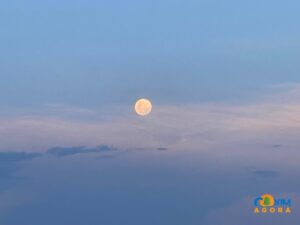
[267, 200]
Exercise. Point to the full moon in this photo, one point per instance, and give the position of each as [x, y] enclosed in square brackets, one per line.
[143, 107]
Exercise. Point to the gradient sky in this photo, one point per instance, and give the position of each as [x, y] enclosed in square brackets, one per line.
[98, 52]
[224, 80]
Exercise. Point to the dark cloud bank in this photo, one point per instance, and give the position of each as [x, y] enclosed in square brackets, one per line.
[13, 157]
[68, 151]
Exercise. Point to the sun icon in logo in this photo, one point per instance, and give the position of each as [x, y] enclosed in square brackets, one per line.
[267, 200]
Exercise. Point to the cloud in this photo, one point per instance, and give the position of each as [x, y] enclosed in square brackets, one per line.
[276, 146]
[9, 166]
[66, 110]
[162, 148]
[11, 157]
[9, 160]
[67, 151]
[199, 126]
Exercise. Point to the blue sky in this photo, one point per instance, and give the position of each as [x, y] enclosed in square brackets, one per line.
[224, 80]
[103, 52]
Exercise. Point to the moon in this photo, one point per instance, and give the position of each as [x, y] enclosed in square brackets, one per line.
[143, 107]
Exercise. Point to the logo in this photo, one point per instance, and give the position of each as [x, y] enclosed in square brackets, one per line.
[268, 204]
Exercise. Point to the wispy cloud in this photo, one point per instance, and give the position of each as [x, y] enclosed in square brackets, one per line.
[67, 151]
[67, 110]
[195, 126]
[10, 157]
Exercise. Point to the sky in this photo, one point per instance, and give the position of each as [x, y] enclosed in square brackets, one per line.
[223, 77]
